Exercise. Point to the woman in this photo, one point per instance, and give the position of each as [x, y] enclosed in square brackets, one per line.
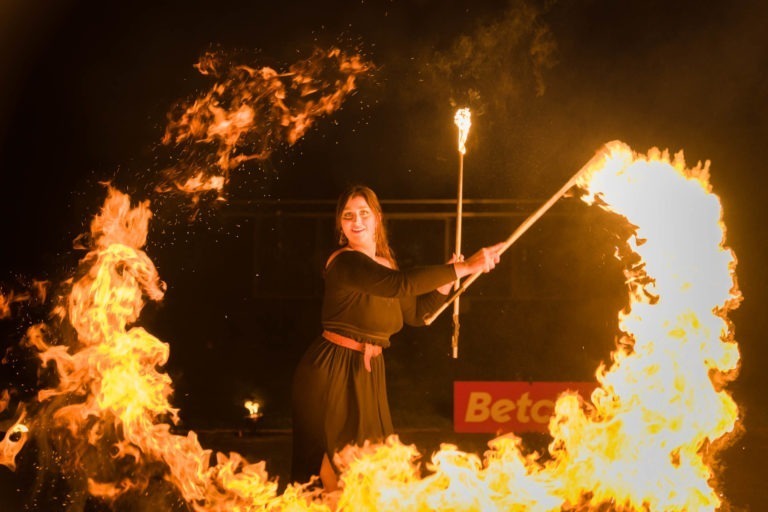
[339, 388]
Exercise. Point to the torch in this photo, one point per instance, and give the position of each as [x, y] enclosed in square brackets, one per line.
[454, 297]
[462, 120]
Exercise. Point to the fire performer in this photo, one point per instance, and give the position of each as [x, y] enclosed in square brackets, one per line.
[339, 387]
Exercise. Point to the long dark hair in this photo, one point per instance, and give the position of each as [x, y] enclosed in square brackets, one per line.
[382, 241]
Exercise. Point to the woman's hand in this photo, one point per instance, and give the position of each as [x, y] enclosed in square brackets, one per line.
[483, 260]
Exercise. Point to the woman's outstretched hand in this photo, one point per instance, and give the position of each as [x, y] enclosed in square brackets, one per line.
[483, 260]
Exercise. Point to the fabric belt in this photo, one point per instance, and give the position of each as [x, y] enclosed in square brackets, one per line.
[368, 350]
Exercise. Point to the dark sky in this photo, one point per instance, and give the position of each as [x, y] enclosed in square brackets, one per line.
[86, 87]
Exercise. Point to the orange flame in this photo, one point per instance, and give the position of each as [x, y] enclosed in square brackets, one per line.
[115, 396]
[248, 111]
[252, 406]
[198, 183]
[38, 291]
[13, 442]
[463, 120]
[5, 304]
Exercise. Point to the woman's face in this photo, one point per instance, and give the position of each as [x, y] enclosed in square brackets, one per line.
[358, 223]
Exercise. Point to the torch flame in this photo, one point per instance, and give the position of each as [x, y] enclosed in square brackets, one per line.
[463, 122]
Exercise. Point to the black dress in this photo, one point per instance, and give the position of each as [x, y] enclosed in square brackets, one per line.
[335, 400]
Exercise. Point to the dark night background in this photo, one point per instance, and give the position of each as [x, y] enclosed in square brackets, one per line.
[86, 87]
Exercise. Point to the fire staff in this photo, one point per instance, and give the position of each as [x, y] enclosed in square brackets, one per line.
[339, 387]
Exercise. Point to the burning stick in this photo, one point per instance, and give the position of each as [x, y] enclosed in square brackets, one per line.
[512, 239]
[463, 122]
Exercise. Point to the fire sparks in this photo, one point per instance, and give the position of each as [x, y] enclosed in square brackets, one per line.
[248, 111]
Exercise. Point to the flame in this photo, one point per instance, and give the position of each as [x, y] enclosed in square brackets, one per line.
[644, 441]
[250, 110]
[463, 121]
[5, 304]
[38, 291]
[13, 442]
[252, 407]
[198, 183]
[111, 403]
[5, 399]
[662, 403]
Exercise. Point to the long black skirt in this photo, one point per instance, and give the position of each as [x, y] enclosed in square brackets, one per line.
[336, 402]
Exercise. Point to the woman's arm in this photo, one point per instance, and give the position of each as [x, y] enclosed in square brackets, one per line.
[415, 309]
[356, 271]
[483, 260]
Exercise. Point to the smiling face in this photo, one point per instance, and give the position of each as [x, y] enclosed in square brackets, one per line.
[358, 223]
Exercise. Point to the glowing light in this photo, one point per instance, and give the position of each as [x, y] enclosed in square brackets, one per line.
[198, 183]
[253, 408]
[12, 443]
[463, 121]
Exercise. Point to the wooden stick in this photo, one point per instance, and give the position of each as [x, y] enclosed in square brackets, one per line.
[457, 285]
[463, 122]
[527, 223]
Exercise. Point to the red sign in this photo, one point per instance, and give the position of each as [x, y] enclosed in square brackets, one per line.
[500, 406]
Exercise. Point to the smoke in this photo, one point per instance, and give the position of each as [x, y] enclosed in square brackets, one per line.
[496, 64]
